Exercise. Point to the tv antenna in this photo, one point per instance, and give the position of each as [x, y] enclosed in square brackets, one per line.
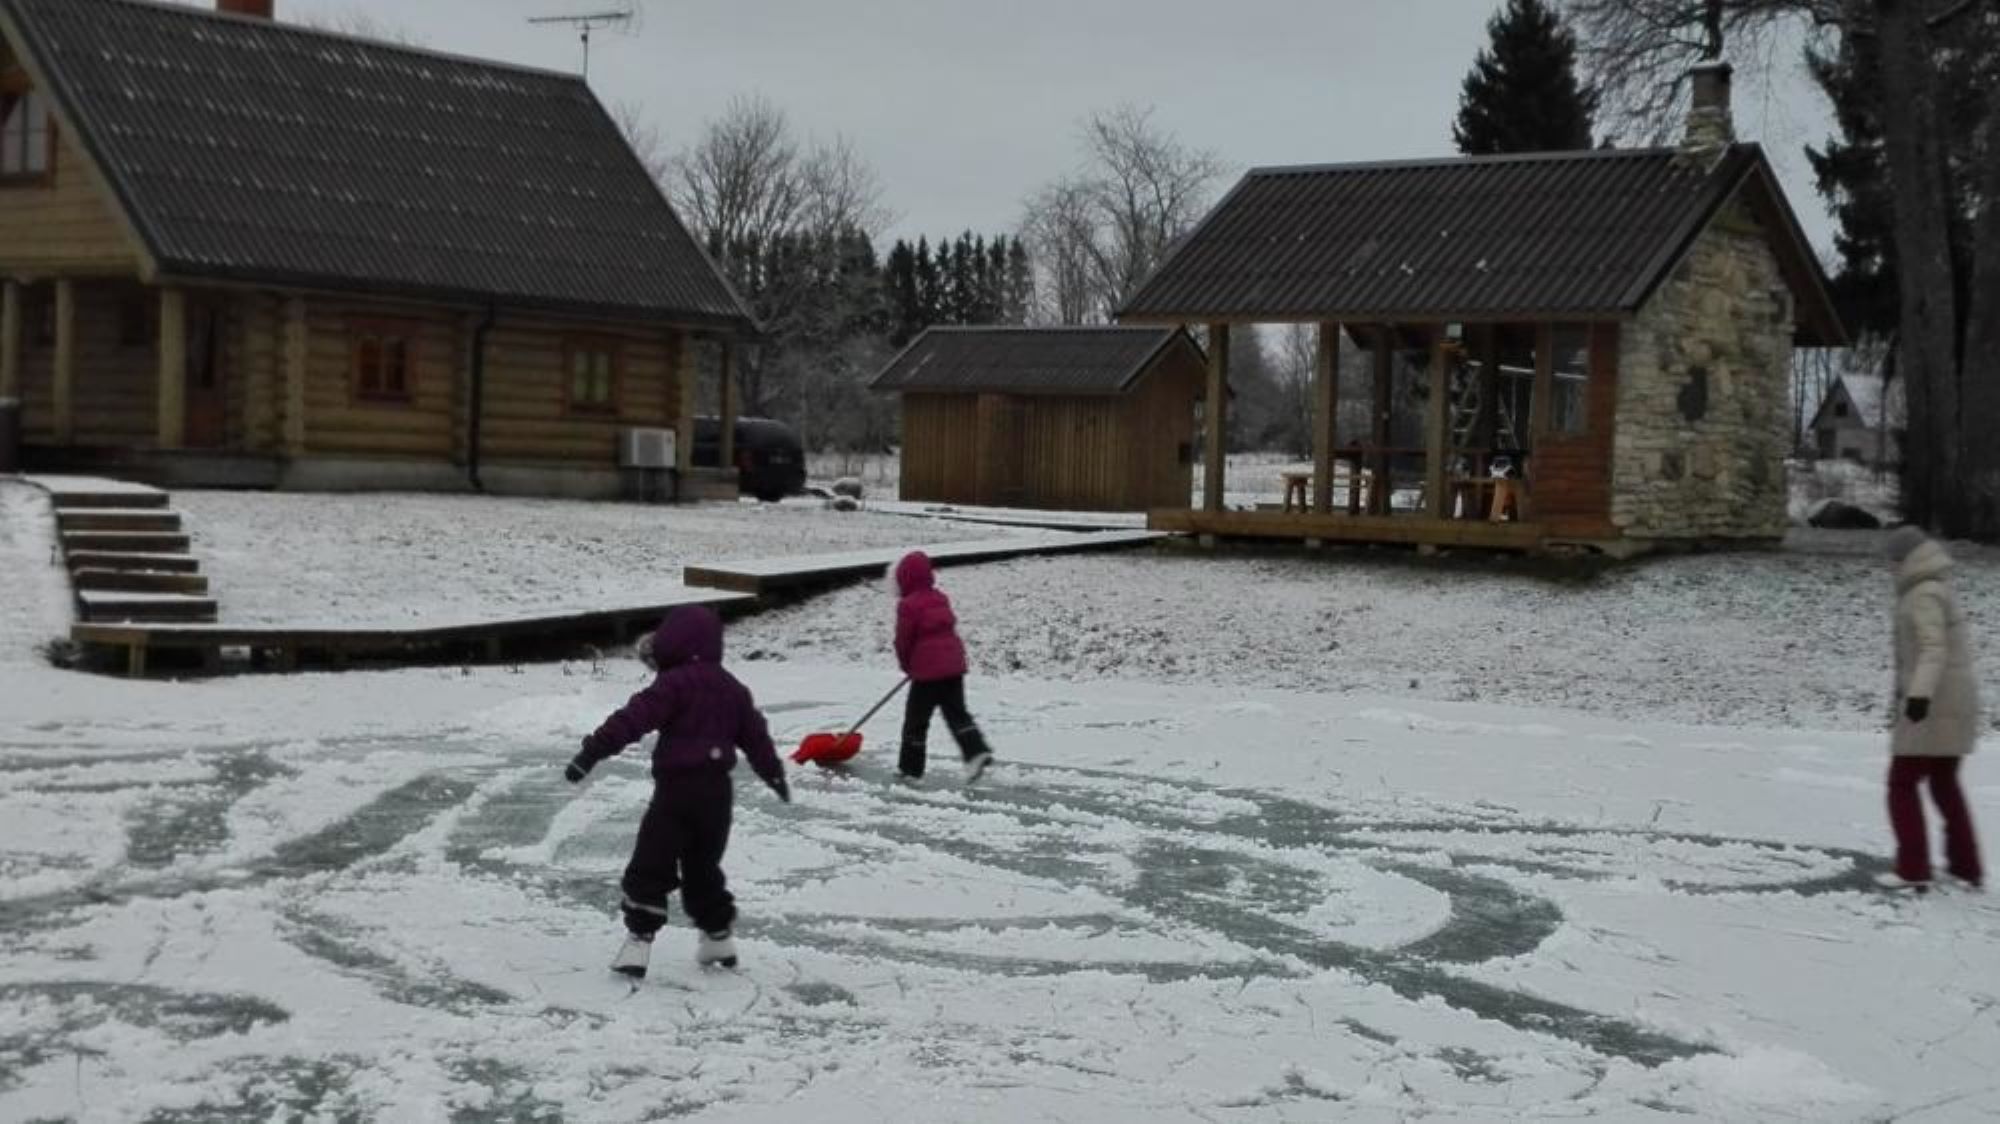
[624, 18]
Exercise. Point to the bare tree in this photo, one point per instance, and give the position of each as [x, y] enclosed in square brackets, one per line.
[841, 190]
[751, 178]
[1097, 234]
[741, 179]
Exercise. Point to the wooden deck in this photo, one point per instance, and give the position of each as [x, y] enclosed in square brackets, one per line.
[763, 576]
[1392, 529]
[286, 647]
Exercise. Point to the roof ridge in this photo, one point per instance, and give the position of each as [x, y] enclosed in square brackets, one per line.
[1552, 157]
[183, 9]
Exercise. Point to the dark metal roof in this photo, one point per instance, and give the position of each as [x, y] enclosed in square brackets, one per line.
[1055, 361]
[1588, 233]
[252, 150]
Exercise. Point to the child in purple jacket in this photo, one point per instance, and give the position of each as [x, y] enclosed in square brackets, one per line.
[931, 654]
[703, 716]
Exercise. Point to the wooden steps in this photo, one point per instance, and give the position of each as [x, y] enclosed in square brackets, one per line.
[133, 561]
[144, 542]
[78, 500]
[152, 520]
[138, 580]
[101, 607]
[128, 554]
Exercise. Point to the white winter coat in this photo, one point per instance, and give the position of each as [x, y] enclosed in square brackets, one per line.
[1933, 661]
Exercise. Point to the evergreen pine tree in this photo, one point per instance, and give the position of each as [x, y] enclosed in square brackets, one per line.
[1020, 298]
[930, 288]
[1522, 94]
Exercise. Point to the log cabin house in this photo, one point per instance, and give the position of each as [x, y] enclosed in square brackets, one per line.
[235, 251]
[1585, 348]
[1063, 419]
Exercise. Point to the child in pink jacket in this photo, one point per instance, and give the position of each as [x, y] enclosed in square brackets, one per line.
[931, 654]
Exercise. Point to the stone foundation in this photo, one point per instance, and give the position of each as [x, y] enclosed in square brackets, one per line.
[1703, 390]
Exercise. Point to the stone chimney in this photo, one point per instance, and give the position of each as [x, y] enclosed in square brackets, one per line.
[262, 9]
[1708, 124]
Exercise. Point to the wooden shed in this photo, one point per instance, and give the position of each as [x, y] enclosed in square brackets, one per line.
[1065, 419]
[237, 251]
[1562, 348]
[1863, 416]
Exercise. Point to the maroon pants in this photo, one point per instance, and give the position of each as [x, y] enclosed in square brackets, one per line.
[1906, 816]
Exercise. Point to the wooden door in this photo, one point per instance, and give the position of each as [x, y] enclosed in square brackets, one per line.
[1013, 452]
[206, 377]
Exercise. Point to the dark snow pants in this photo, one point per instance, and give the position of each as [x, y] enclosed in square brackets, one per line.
[680, 846]
[1906, 817]
[925, 700]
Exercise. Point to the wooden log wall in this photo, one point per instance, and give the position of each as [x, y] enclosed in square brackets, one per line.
[340, 421]
[526, 415]
[68, 226]
[113, 395]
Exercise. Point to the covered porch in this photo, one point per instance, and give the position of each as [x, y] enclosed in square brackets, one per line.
[1434, 433]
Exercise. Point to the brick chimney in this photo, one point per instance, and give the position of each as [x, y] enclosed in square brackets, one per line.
[262, 9]
[1708, 124]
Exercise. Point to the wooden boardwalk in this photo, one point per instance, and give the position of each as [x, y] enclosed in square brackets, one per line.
[729, 587]
[1340, 528]
[765, 576]
[285, 648]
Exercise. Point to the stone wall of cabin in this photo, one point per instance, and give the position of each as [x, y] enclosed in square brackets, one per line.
[1703, 395]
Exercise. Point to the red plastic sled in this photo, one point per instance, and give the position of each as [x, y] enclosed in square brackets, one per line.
[827, 749]
[832, 749]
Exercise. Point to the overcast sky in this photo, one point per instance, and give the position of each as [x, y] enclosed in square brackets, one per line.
[966, 106]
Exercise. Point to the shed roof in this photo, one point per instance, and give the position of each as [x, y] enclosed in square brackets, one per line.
[1877, 399]
[989, 360]
[251, 150]
[1574, 234]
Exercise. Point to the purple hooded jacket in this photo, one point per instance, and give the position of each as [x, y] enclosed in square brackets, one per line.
[927, 643]
[703, 714]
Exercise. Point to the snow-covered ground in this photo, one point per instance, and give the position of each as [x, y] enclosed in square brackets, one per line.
[1796, 637]
[404, 559]
[1235, 866]
[371, 897]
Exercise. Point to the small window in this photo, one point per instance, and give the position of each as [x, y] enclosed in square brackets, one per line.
[26, 137]
[590, 376]
[384, 362]
[1570, 399]
[1840, 409]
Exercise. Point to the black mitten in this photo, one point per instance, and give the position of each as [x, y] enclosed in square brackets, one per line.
[1916, 710]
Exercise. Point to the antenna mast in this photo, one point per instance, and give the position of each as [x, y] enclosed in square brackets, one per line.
[587, 22]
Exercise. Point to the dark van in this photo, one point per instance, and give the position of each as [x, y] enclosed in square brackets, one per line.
[770, 459]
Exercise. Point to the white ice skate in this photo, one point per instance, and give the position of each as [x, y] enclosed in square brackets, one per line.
[1897, 884]
[632, 956]
[716, 948]
[976, 766]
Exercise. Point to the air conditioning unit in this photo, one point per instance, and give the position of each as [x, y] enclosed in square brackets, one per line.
[646, 448]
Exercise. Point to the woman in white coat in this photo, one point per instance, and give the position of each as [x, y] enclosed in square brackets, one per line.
[1936, 714]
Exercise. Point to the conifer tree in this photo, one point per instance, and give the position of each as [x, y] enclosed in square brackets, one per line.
[1522, 94]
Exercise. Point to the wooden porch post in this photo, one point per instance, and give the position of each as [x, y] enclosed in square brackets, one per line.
[1215, 415]
[1488, 428]
[63, 396]
[1326, 415]
[688, 372]
[1542, 408]
[173, 369]
[10, 338]
[726, 434]
[1385, 358]
[1437, 434]
[296, 339]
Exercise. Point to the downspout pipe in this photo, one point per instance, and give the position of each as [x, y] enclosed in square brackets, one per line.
[476, 408]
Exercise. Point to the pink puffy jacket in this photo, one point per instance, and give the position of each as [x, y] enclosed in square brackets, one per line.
[927, 644]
